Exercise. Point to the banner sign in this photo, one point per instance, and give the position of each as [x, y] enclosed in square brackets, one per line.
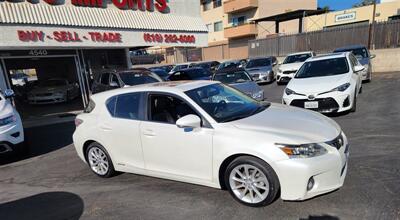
[143, 5]
[345, 17]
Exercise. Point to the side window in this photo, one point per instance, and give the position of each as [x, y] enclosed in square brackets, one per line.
[168, 109]
[105, 79]
[114, 80]
[126, 106]
[111, 105]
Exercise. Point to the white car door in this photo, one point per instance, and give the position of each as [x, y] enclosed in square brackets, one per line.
[172, 150]
[122, 130]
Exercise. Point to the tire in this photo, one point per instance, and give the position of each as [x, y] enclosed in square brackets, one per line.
[354, 107]
[250, 192]
[105, 168]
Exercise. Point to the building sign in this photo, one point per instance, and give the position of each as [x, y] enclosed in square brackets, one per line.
[169, 38]
[68, 36]
[345, 17]
[143, 5]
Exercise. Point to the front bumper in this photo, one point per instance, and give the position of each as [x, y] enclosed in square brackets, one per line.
[11, 137]
[327, 103]
[263, 78]
[328, 171]
[46, 99]
[284, 78]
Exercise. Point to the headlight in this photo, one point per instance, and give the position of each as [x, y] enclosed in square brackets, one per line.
[258, 95]
[303, 150]
[8, 120]
[289, 91]
[341, 88]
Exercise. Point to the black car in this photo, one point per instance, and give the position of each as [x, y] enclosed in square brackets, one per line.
[166, 68]
[209, 65]
[118, 79]
[160, 72]
[195, 73]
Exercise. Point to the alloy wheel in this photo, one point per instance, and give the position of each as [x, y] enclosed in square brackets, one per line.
[98, 161]
[249, 184]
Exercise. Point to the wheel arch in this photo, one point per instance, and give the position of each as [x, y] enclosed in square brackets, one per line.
[85, 147]
[224, 165]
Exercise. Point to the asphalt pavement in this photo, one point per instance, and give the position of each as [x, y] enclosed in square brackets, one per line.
[52, 182]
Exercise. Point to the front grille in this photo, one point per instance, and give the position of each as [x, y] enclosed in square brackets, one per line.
[286, 79]
[289, 72]
[324, 104]
[43, 94]
[337, 142]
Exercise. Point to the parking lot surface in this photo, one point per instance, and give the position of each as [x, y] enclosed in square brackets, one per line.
[54, 184]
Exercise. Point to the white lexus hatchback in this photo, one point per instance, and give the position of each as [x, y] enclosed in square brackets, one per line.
[328, 83]
[207, 133]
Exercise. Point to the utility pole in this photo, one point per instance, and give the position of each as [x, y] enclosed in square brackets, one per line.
[372, 27]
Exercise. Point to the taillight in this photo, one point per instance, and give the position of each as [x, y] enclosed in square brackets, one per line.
[78, 122]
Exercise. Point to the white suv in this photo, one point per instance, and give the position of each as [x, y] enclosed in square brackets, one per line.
[11, 129]
[291, 65]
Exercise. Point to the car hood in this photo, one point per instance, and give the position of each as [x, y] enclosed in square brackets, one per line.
[259, 69]
[247, 87]
[49, 89]
[308, 86]
[290, 66]
[291, 124]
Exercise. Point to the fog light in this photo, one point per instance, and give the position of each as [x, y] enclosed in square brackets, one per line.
[346, 102]
[310, 184]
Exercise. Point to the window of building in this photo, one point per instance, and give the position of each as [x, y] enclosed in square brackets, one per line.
[210, 28]
[218, 26]
[237, 21]
[207, 5]
[217, 3]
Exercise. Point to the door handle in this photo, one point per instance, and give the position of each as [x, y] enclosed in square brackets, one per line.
[149, 133]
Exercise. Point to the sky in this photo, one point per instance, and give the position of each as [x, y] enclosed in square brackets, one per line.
[337, 4]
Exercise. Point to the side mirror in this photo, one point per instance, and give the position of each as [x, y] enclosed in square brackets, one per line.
[275, 63]
[372, 56]
[114, 84]
[189, 121]
[358, 68]
[9, 93]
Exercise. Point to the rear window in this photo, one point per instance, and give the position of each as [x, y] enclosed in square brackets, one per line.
[258, 63]
[124, 106]
[132, 79]
[90, 107]
[328, 67]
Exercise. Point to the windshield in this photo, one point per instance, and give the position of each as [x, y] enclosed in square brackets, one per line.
[179, 67]
[232, 77]
[328, 67]
[197, 73]
[299, 58]
[258, 63]
[132, 78]
[160, 72]
[228, 65]
[224, 103]
[53, 82]
[360, 53]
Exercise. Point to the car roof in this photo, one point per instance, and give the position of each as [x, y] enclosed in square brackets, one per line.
[328, 56]
[351, 47]
[229, 70]
[298, 53]
[169, 86]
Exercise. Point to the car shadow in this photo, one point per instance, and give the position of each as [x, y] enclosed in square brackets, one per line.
[42, 140]
[320, 217]
[50, 205]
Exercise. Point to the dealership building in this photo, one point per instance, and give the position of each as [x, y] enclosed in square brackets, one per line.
[74, 39]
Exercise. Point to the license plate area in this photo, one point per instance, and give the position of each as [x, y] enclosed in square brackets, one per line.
[311, 105]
